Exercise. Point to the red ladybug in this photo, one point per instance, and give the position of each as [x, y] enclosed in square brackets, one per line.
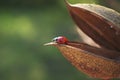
[60, 40]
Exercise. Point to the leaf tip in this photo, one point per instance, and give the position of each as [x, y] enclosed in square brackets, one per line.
[67, 3]
[50, 43]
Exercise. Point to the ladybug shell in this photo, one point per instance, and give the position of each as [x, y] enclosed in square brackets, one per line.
[61, 40]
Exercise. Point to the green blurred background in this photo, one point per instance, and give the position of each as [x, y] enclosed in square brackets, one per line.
[25, 25]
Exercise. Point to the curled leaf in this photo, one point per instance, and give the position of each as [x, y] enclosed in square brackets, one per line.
[99, 23]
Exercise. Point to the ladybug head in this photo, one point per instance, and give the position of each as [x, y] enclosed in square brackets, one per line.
[60, 40]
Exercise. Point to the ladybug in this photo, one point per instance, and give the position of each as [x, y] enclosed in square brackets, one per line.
[60, 40]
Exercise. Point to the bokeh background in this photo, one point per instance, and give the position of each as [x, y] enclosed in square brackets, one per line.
[25, 25]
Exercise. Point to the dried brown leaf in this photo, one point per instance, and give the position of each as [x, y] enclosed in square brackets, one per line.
[103, 31]
[91, 60]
